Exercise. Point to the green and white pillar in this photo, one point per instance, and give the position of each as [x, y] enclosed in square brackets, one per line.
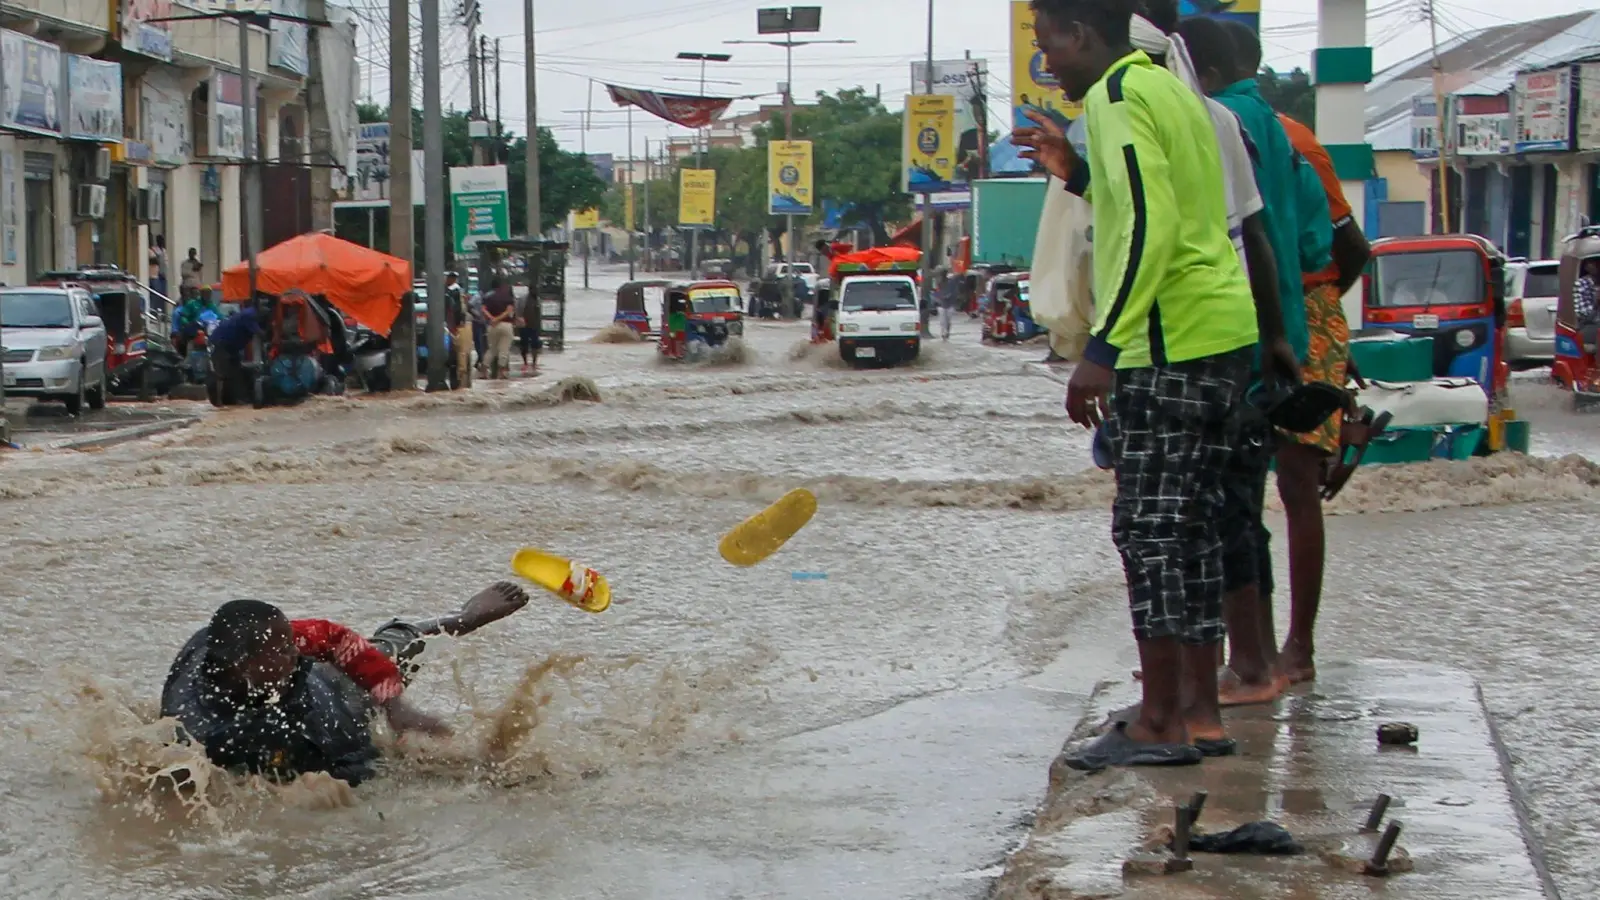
[1341, 67]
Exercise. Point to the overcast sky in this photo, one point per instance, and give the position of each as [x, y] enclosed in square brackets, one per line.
[634, 42]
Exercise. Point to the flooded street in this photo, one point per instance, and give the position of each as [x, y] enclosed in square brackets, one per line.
[867, 714]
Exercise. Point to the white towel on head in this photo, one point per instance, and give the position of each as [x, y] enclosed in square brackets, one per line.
[1147, 37]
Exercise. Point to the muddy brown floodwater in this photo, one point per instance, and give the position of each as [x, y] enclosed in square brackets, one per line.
[868, 714]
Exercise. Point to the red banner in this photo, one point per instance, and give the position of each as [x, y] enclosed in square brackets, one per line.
[679, 109]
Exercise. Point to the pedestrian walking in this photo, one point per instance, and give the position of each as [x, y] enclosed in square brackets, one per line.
[500, 306]
[949, 301]
[460, 324]
[528, 323]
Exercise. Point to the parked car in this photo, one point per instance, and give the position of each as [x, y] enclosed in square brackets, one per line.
[53, 346]
[1532, 289]
[807, 273]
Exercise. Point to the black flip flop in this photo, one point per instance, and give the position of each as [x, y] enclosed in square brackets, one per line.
[1341, 473]
[1116, 749]
[1214, 749]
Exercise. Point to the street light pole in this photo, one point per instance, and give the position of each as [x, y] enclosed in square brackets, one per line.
[699, 147]
[788, 22]
[927, 206]
[535, 217]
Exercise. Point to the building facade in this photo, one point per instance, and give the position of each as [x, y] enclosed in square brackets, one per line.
[123, 123]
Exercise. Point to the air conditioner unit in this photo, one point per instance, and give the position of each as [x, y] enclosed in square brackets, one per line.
[102, 164]
[91, 201]
[141, 205]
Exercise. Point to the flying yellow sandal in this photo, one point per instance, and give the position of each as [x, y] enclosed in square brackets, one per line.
[761, 535]
[573, 582]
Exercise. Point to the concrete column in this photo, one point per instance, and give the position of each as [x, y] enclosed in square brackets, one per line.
[1341, 67]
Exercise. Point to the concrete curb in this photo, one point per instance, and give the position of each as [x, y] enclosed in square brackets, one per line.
[117, 436]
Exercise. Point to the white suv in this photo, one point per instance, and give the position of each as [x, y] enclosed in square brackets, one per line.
[1532, 289]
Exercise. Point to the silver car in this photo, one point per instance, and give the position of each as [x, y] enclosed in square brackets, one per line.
[1532, 290]
[53, 345]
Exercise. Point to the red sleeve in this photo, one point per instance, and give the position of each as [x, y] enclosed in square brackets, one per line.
[355, 656]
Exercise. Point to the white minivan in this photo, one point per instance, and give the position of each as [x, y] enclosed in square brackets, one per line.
[879, 320]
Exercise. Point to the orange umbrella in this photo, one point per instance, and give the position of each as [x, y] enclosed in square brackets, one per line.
[364, 284]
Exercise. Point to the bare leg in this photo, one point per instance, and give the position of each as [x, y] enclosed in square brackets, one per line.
[1160, 718]
[1202, 713]
[1249, 679]
[1299, 470]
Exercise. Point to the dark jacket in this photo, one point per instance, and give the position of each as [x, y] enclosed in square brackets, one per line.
[320, 725]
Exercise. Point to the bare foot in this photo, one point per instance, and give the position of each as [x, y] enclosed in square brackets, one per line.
[1233, 691]
[1296, 664]
[491, 604]
[1205, 731]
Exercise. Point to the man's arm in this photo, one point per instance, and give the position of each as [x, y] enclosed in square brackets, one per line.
[1350, 253]
[1262, 267]
[353, 654]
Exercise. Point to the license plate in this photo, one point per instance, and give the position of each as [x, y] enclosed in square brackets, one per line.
[866, 352]
[1424, 322]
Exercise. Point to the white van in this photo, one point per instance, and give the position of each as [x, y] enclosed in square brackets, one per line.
[879, 319]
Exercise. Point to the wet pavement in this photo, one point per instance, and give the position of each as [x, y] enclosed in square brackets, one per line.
[38, 425]
[882, 732]
[1313, 765]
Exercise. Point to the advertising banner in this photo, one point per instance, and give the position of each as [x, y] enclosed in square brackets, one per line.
[929, 148]
[94, 99]
[1543, 110]
[964, 80]
[1480, 126]
[586, 220]
[164, 120]
[480, 204]
[789, 190]
[697, 197]
[289, 38]
[30, 79]
[142, 33]
[1589, 106]
[679, 109]
[1246, 11]
[227, 115]
[1031, 85]
[369, 187]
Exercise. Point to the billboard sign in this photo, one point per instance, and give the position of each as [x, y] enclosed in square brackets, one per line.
[1543, 111]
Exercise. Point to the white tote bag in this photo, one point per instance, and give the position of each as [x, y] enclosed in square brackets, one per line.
[1060, 285]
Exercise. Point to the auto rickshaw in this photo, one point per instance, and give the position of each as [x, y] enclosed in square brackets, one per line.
[1007, 317]
[975, 285]
[699, 315]
[1450, 288]
[634, 302]
[1575, 364]
[140, 356]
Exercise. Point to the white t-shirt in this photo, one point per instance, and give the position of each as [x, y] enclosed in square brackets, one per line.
[1238, 174]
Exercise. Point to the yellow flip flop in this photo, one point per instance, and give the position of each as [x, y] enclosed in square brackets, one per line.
[573, 582]
[761, 535]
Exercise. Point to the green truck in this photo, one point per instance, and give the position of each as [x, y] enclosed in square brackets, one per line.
[1005, 220]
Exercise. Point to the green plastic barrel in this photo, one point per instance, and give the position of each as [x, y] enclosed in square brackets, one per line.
[1518, 435]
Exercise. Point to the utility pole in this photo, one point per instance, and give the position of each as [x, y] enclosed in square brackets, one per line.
[250, 184]
[535, 219]
[583, 148]
[402, 213]
[927, 205]
[701, 137]
[433, 210]
[628, 193]
[649, 244]
[477, 86]
[1439, 138]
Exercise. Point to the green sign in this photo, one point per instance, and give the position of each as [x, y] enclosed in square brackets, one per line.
[480, 206]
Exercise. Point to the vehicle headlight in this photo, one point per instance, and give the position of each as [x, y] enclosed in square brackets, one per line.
[849, 327]
[1465, 339]
[908, 326]
[60, 351]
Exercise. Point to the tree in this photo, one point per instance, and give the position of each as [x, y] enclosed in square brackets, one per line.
[1292, 94]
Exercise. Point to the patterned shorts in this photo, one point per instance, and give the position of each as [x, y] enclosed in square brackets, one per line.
[1246, 542]
[1328, 360]
[1172, 430]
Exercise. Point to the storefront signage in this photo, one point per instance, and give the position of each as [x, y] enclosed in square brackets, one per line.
[94, 99]
[164, 120]
[1543, 110]
[143, 31]
[1589, 106]
[1481, 126]
[227, 115]
[30, 81]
